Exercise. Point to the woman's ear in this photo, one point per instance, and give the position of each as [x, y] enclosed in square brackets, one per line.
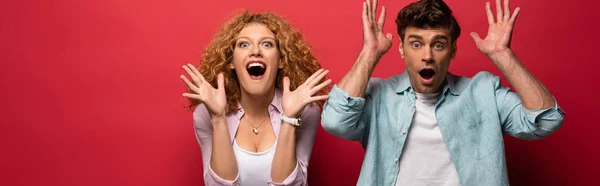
[280, 63]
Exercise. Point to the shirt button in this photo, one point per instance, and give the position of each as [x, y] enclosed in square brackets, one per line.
[403, 131]
[395, 160]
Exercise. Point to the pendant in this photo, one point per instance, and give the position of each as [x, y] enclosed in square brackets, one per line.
[255, 130]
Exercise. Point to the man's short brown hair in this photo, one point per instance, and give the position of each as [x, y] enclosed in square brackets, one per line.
[427, 14]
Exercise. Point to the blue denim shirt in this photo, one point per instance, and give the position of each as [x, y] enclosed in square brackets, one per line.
[472, 114]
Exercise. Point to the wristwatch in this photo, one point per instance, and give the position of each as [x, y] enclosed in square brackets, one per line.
[292, 121]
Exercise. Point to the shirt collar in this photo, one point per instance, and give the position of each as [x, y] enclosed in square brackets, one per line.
[274, 105]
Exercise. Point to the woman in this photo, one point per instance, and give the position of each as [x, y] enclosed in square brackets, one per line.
[257, 127]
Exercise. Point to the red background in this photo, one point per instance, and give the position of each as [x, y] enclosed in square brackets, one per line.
[91, 95]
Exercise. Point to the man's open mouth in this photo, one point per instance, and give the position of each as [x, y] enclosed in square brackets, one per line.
[427, 73]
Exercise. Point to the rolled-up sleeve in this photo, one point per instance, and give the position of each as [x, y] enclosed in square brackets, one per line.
[343, 115]
[524, 123]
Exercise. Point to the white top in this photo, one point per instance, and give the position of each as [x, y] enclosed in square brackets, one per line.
[254, 167]
[425, 159]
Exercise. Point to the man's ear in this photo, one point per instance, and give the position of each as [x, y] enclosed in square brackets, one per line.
[454, 49]
[401, 49]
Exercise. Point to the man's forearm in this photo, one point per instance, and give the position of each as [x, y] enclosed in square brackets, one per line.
[355, 81]
[532, 92]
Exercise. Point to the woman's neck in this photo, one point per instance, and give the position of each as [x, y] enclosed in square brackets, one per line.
[257, 105]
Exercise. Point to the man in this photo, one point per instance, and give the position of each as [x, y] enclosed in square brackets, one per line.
[427, 126]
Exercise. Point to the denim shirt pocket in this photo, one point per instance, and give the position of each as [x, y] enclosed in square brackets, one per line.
[480, 138]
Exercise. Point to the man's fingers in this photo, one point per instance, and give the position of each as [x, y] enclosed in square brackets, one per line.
[369, 10]
[374, 11]
[488, 11]
[381, 20]
[498, 11]
[475, 37]
[389, 36]
[506, 11]
[513, 18]
[365, 15]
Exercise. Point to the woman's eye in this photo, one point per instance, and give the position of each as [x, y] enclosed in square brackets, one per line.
[267, 44]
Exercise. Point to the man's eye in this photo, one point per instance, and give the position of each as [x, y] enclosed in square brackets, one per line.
[439, 46]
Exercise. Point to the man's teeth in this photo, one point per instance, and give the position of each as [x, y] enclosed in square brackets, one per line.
[256, 65]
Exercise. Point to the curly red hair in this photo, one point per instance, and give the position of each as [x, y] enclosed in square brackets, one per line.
[298, 61]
